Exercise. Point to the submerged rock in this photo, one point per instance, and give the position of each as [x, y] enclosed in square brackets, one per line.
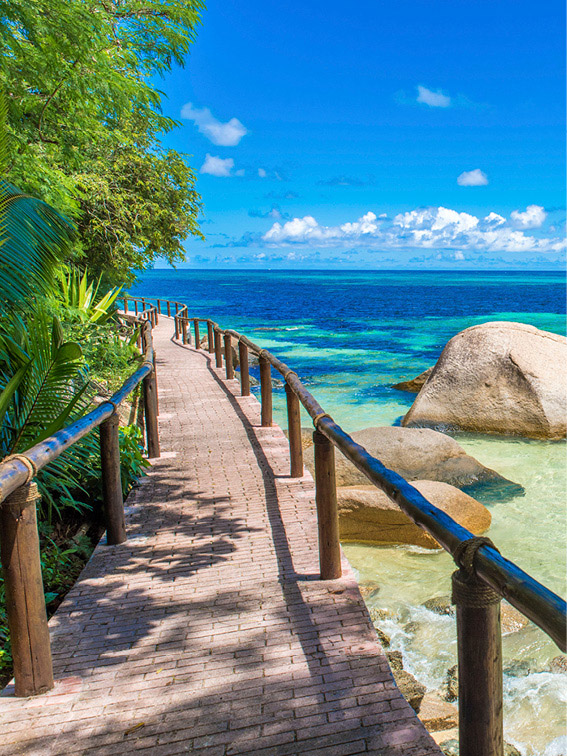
[395, 659]
[367, 515]
[497, 378]
[369, 589]
[451, 748]
[415, 454]
[414, 385]
[511, 619]
[440, 605]
[558, 665]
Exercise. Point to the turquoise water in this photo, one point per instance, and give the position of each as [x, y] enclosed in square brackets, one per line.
[350, 336]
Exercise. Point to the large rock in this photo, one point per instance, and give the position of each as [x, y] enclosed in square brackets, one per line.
[497, 378]
[437, 714]
[367, 515]
[414, 385]
[410, 688]
[416, 454]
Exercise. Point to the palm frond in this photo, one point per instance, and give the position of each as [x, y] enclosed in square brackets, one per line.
[34, 240]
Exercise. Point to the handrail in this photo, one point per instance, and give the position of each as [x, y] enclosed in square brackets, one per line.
[537, 602]
[19, 540]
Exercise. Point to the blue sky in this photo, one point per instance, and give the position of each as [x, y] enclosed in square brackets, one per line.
[406, 134]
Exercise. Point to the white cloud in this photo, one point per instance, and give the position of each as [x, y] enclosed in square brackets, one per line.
[216, 166]
[433, 99]
[533, 217]
[262, 172]
[226, 134]
[473, 178]
[494, 219]
[437, 228]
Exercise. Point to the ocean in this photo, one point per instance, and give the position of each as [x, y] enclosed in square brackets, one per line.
[350, 336]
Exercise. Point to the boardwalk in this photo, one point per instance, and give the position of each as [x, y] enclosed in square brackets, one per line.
[207, 632]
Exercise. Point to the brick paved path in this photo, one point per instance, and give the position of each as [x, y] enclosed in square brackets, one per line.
[207, 632]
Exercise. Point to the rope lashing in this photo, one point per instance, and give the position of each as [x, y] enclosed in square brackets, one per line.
[290, 372]
[262, 354]
[468, 589]
[32, 469]
[23, 497]
[114, 405]
[319, 417]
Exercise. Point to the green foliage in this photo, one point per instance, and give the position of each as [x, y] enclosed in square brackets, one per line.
[42, 382]
[79, 300]
[84, 121]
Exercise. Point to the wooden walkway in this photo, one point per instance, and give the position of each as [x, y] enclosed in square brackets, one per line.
[207, 632]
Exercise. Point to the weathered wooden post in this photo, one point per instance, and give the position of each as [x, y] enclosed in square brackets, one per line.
[327, 509]
[125, 305]
[149, 388]
[135, 306]
[184, 329]
[168, 308]
[210, 337]
[265, 391]
[244, 369]
[294, 433]
[228, 357]
[176, 320]
[156, 316]
[111, 481]
[143, 304]
[218, 349]
[479, 642]
[177, 308]
[159, 306]
[25, 600]
[197, 334]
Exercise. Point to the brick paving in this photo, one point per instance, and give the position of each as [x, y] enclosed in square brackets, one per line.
[207, 632]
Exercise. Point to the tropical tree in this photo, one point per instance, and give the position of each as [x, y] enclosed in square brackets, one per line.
[85, 122]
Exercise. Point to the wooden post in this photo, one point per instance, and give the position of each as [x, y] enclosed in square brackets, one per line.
[159, 306]
[143, 303]
[156, 316]
[184, 329]
[25, 601]
[244, 369]
[149, 389]
[294, 433]
[125, 305]
[266, 391]
[479, 643]
[136, 306]
[210, 337]
[177, 308]
[228, 357]
[176, 319]
[218, 349]
[197, 334]
[111, 482]
[168, 309]
[327, 509]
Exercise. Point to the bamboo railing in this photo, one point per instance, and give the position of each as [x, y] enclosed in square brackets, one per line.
[19, 540]
[484, 576]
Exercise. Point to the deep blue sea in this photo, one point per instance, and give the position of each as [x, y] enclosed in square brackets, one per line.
[350, 336]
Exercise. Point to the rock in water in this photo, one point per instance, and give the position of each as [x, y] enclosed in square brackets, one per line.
[415, 454]
[497, 378]
[437, 714]
[367, 515]
[414, 385]
[410, 688]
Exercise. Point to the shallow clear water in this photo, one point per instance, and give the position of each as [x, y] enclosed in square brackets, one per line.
[350, 336]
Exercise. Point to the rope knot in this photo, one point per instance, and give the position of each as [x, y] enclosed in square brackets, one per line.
[468, 589]
[319, 417]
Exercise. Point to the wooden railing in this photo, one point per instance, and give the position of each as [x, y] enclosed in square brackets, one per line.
[484, 576]
[19, 540]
